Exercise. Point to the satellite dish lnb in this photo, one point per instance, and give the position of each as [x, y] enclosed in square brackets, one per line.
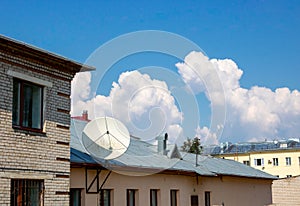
[105, 138]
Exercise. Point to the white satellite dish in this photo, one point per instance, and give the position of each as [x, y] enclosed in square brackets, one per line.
[105, 138]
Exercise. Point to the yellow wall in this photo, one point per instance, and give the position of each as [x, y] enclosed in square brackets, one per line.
[233, 191]
[282, 170]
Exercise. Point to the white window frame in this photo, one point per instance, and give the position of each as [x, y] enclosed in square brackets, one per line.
[275, 161]
[261, 161]
[288, 161]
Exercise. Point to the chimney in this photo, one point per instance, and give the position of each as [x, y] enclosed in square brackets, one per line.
[85, 115]
[162, 144]
[165, 142]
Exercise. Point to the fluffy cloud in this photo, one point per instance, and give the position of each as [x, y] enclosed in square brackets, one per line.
[200, 74]
[148, 109]
[80, 87]
[206, 136]
[255, 113]
[144, 105]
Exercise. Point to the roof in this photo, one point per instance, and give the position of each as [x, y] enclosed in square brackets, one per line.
[143, 155]
[27, 51]
[81, 118]
[247, 147]
[228, 167]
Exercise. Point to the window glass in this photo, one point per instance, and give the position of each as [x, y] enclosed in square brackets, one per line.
[27, 105]
[27, 192]
[288, 161]
[105, 197]
[153, 197]
[32, 106]
[173, 194]
[75, 197]
[207, 198]
[130, 197]
[275, 161]
[259, 162]
[16, 103]
[194, 200]
[246, 162]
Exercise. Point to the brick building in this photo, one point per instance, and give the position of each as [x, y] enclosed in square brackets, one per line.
[285, 191]
[35, 90]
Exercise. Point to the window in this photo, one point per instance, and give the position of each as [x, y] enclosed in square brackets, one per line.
[105, 197]
[173, 196]
[288, 161]
[275, 161]
[27, 192]
[75, 197]
[259, 162]
[289, 176]
[246, 162]
[27, 105]
[131, 197]
[299, 160]
[207, 198]
[194, 200]
[153, 197]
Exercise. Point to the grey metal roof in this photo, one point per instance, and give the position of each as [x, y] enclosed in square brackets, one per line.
[141, 154]
[226, 167]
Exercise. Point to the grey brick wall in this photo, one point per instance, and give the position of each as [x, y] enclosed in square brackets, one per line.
[28, 155]
[286, 191]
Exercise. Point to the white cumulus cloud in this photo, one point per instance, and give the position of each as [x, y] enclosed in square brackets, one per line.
[144, 105]
[206, 136]
[254, 113]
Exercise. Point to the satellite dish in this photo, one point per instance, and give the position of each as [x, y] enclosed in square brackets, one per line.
[105, 138]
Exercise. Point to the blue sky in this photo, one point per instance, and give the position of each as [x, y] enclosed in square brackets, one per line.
[261, 37]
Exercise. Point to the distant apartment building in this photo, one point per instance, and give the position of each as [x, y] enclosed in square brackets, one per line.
[161, 175]
[35, 90]
[279, 158]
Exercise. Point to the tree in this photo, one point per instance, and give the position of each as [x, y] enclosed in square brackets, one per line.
[192, 146]
[186, 145]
